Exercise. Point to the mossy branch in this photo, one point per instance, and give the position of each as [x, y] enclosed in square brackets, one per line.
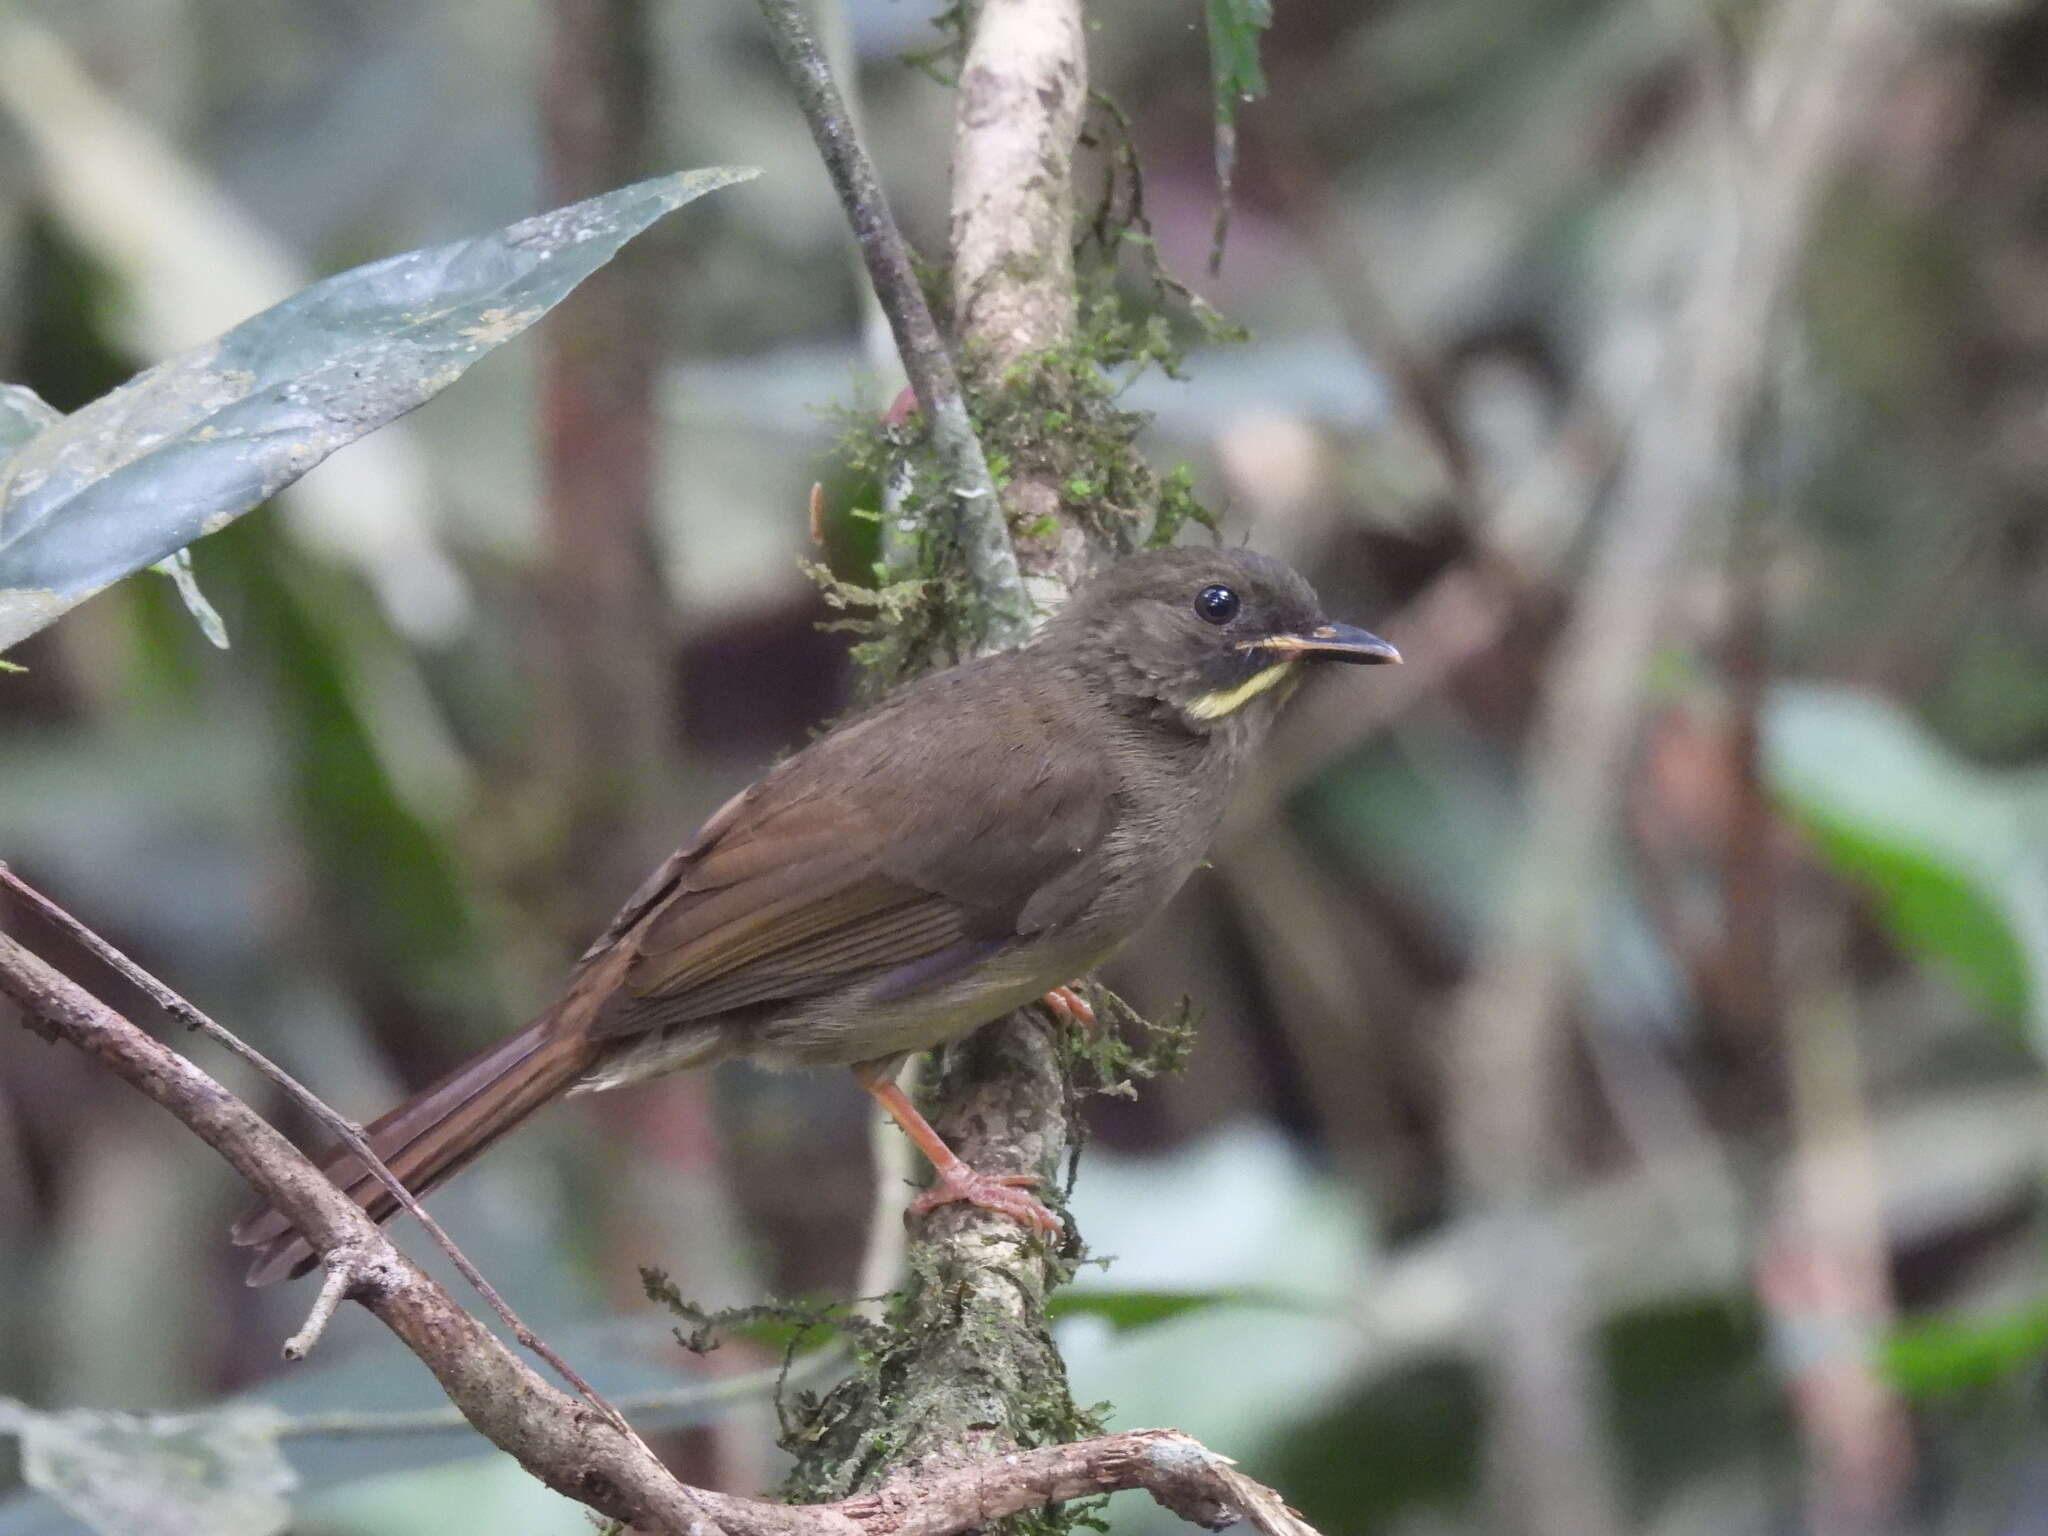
[1002, 612]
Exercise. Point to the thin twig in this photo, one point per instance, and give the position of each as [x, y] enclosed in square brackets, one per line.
[340, 1279]
[1301, 187]
[984, 533]
[344, 1130]
[352, 1424]
[571, 1446]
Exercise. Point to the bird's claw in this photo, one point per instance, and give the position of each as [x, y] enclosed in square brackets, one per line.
[1067, 1003]
[1003, 1193]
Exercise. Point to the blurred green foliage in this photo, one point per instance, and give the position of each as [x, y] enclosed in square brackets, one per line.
[344, 837]
[1954, 852]
[1947, 1357]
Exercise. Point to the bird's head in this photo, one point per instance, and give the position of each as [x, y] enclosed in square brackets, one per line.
[1216, 635]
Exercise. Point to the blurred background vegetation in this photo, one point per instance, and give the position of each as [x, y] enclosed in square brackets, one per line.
[489, 664]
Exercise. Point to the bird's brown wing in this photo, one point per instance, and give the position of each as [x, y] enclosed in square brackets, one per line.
[876, 852]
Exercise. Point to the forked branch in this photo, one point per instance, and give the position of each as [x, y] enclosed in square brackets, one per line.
[568, 1444]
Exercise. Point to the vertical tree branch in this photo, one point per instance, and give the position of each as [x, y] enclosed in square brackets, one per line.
[1017, 115]
[1005, 619]
[1023, 91]
[1002, 1098]
[972, 1369]
[1824, 1272]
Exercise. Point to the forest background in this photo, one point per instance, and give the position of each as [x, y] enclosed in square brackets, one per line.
[1735, 1226]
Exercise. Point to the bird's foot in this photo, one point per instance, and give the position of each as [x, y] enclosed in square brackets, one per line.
[1067, 1003]
[1003, 1193]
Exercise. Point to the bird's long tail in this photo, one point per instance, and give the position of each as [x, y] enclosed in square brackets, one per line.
[432, 1135]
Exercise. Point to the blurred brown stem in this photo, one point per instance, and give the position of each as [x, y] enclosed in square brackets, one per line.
[609, 620]
[1301, 185]
[1824, 1276]
[1749, 882]
[1816, 63]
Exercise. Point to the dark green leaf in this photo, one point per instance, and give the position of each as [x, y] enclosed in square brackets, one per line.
[185, 448]
[1128, 1311]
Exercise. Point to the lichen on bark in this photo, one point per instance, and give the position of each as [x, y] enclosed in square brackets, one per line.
[964, 1364]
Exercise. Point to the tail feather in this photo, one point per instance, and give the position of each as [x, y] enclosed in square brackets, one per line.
[431, 1136]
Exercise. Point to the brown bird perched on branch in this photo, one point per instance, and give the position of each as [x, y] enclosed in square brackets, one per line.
[976, 840]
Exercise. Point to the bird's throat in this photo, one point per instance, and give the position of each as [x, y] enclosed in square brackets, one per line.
[1228, 701]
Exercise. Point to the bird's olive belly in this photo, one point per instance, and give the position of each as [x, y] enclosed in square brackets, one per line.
[856, 1025]
[864, 1021]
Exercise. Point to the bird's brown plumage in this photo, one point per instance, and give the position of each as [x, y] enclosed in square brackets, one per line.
[979, 837]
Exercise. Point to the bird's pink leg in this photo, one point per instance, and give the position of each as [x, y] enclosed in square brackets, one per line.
[1003, 1193]
[1067, 1003]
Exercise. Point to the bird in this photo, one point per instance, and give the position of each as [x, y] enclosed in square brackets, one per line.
[973, 842]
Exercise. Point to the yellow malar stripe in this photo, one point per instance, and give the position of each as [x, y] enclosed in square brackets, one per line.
[1214, 706]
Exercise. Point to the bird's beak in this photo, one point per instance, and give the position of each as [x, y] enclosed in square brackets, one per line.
[1330, 642]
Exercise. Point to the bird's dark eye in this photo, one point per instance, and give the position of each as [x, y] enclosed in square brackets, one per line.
[1216, 604]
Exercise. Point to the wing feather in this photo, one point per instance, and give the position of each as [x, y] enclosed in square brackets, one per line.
[873, 851]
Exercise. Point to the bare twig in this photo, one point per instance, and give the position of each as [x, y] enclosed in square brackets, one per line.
[1824, 1275]
[1193, 1482]
[978, 512]
[343, 1276]
[343, 1130]
[1748, 973]
[570, 1446]
[370, 1424]
[1368, 319]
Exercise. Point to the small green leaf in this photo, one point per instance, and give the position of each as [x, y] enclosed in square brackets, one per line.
[1129, 1311]
[1957, 855]
[1933, 1359]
